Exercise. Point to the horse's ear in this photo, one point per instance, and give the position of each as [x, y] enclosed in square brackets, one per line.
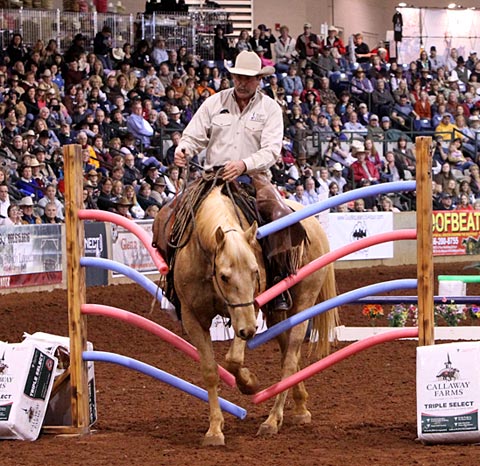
[251, 234]
[219, 235]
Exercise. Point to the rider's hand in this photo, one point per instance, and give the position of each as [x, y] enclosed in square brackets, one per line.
[180, 157]
[233, 170]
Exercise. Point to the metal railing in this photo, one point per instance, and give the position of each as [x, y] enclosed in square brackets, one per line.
[193, 30]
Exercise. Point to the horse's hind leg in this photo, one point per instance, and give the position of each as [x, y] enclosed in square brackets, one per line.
[247, 381]
[290, 345]
[201, 339]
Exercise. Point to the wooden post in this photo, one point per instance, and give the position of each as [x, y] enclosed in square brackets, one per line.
[424, 241]
[76, 292]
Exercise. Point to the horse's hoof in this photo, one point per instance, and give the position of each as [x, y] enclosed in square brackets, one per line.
[217, 440]
[247, 382]
[267, 429]
[300, 419]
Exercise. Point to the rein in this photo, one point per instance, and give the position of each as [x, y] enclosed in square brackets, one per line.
[215, 279]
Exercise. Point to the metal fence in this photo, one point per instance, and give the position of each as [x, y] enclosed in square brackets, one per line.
[194, 30]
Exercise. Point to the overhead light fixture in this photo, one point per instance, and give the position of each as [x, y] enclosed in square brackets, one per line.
[402, 4]
[452, 5]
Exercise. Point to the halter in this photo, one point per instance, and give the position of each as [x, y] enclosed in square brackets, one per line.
[214, 277]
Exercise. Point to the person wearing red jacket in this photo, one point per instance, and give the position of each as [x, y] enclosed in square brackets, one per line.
[363, 169]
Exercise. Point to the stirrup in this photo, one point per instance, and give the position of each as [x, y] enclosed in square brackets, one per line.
[282, 302]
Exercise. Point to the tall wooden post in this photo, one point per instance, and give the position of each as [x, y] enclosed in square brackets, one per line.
[76, 289]
[424, 241]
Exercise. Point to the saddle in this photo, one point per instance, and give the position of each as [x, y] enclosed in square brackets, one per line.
[258, 202]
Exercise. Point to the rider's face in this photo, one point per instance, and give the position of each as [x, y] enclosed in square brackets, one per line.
[245, 86]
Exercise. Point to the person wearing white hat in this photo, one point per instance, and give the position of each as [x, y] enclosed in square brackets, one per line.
[241, 130]
[334, 42]
[28, 217]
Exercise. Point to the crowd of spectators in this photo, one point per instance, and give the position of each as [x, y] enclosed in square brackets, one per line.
[127, 108]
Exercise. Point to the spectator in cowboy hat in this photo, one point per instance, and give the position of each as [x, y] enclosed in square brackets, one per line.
[122, 207]
[26, 206]
[174, 119]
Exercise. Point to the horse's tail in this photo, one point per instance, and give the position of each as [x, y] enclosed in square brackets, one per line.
[324, 324]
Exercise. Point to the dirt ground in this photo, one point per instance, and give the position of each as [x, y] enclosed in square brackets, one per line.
[363, 409]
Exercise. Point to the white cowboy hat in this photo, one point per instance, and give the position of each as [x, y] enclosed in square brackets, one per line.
[118, 54]
[249, 64]
[332, 28]
[26, 202]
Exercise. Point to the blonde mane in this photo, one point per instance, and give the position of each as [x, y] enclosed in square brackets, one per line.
[216, 211]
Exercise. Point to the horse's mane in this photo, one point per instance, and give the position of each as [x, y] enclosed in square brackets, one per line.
[217, 210]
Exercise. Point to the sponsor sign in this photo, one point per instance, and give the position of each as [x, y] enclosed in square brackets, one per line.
[31, 255]
[129, 250]
[346, 228]
[456, 232]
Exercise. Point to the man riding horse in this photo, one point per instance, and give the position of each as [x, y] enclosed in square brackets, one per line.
[241, 130]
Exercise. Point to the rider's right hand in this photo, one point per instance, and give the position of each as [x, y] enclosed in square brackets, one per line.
[180, 157]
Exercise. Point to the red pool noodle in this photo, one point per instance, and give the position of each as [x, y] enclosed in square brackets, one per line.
[145, 238]
[330, 257]
[155, 329]
[332, 359]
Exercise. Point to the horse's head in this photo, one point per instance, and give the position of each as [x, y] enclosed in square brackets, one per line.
[236, 276]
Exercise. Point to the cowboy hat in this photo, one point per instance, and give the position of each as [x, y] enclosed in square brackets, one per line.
[174, 110]
[124, 202]
[35, 163]
[332, 28]
[26, 202]
[337, 167]
[249, 64]
[118, 54]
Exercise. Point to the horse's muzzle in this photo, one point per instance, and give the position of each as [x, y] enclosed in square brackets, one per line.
[247, 333]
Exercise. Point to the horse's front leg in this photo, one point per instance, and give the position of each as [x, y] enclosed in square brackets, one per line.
[247, 381]
[201, 339]
[290, 345]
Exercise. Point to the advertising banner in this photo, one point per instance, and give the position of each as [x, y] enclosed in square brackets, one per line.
[129, 250]
[96, 246]
[346, 228]
[31, 255]
[456, 232]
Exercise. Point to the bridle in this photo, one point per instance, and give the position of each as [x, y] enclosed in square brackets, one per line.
[217, 285]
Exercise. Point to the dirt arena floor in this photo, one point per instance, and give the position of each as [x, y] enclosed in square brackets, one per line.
[363, 408]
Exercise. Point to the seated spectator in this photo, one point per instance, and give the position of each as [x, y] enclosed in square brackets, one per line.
[122, 207]
[138, 126]
[28, 217]
[4, 201]
[446, 202]
[51, 197]
[405, 155]
[106, 200]
[382, 99]
[374, 130]
[14, 215]
[160, 192]
[50, 214]
[386, 205]
[392, 169]
[151, 211]
[310, 192]
[456, 158]
[136, 211]
[299, 195]
[355, 127]
[363, 114]
[360, 85]
[292, 82]
[27, 185]
[363, 169]
[144, 197]
[337, 177]
[403, 112]
[464, 202]
[391, 134]
[444, 176]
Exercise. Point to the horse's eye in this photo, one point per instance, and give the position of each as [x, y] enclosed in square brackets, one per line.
[224, 278]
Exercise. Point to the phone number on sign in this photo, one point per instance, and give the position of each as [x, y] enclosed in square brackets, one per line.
[450, 241]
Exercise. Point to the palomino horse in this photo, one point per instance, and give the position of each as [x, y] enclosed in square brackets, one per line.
[220, 270]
